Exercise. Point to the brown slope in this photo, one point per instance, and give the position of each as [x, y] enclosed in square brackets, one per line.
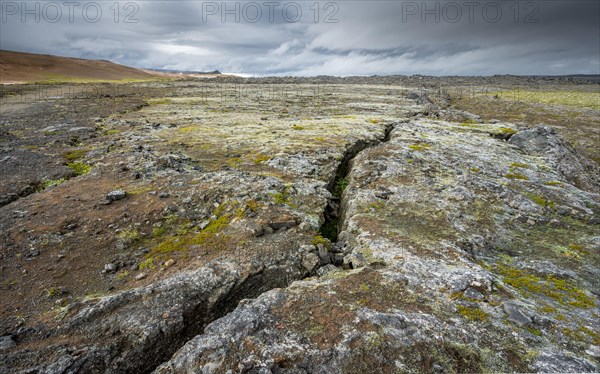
[19, 67]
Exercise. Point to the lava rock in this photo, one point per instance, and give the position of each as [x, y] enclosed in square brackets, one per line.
[284, 221]
[110, 268]
[116, 195]
[6, 342]
[516, 315]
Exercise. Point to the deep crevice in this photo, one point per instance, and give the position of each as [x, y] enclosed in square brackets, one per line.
[331, 226]
[197, 318]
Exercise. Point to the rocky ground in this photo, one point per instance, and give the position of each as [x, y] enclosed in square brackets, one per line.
[299, 225]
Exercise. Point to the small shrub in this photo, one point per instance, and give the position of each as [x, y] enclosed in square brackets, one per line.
[340, 186]
[129, 235]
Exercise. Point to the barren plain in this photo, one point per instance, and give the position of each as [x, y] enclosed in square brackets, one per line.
[301, 225]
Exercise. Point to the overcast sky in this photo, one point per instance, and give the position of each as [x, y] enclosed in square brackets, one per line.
[311, 38]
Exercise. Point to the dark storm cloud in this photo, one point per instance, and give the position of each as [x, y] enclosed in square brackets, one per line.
[340, 38]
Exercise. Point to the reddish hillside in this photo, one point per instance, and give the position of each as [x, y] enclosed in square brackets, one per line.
[18, 67]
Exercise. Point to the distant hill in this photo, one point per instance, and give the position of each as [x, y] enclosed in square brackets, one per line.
[188, 72]
[19, 67]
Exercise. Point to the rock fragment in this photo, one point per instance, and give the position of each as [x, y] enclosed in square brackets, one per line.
[6, 342]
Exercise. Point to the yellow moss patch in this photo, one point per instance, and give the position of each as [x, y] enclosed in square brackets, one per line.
[519, 165]
[420, 147]
[560, 290]
[516, 175]
[79, 167]
[473, 313]
[211, 236]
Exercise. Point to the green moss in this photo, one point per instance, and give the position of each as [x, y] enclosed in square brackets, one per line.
[553, 183]
[79, 167]
[573, 98]
[54, 291]
[541, 201]
[211, 236]
[74, 154]
[547, 309]
[594, 335]
[187, 129]
[515, 175]
[475, 170]
[130, 235]
[519, 165]
[158, 231]
[298, 127]
[253, 205]
[507, 131]
[578, 248]
[216, 226]
[283, 198]
[420, 147]
[234, 162]
[532, 330]
[473, 313]
[123, 275]
[147, 264]
[461, 296]
[260, 158]
[139, 190]
[559, 290]
[318, 239]
[111, 132]
[51, 182]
